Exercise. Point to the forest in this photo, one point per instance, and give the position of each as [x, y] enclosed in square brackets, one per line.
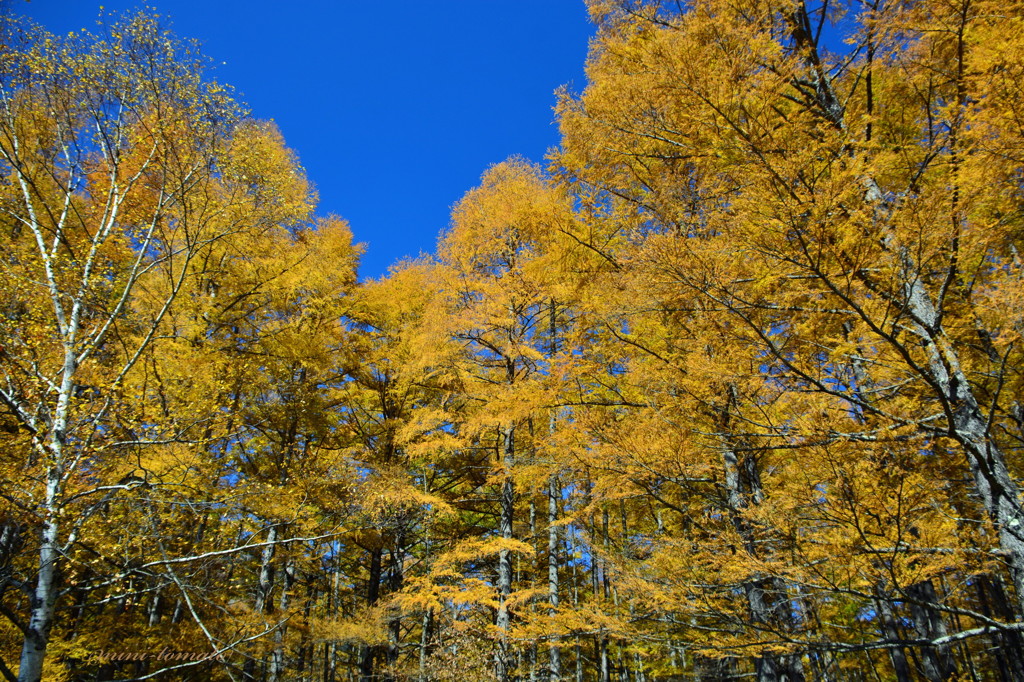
[730, 387]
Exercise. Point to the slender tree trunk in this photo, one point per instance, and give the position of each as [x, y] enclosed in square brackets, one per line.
[601, 644]
[766, 596]
[44, 596]
[264, 585]
[578, 646]
[535, 536]
[372, 595]
[554, 651]
[307, 650]
[554, 489]
[428, 618]
[605, 584]
[277, 659]
[503, 658]
[395, 579]
[714, 669]
[579, 659]
[937, 664]
[640, 675]
[331, 648]
[153, 609]
[891, 632]
[993, 482]
[1007, 647]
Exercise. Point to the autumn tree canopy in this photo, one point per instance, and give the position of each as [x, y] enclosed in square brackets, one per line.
[728, 389]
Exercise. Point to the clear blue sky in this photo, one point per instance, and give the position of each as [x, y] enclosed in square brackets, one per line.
[396, 108]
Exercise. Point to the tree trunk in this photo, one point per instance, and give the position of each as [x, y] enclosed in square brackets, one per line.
[44, 596]
[331, 648]
[766, 596]
[428, 618]
[554, 651]
[277, 659]
[714, 669]
[372, 595]
[891, 633]
[601, 645]
[937, 663]
[502, 620]
[395, 579]
[1007, 647]
[261, 601]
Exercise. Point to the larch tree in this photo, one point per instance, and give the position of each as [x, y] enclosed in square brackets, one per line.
[849, 217]
[498, 308]
[398, 370]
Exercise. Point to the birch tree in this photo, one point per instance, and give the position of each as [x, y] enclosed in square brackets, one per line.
[122, 170]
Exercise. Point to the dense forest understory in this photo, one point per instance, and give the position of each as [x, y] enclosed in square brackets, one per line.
[730, 389]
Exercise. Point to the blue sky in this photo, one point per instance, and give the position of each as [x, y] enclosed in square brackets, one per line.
[395, 109]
